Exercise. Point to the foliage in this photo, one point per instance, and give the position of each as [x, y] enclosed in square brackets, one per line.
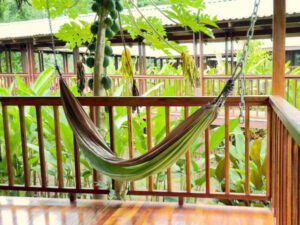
[11, 11]
[75, 34]
[41, 87]
[71, 8]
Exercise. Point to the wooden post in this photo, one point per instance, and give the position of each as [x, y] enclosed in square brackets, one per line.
[41, 61]
[116, 62]
[30, 58]
[231, 53]
[140, 61]
[201, 64]
[24, 59]
[226, 55]
[76, 58]
[144, 58]
[279, 25]
[7, 61]
[66, 65]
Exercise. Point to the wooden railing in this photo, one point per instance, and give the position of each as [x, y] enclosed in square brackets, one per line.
[285, 166]
[212, 84]
[282, 178]
[43, 108]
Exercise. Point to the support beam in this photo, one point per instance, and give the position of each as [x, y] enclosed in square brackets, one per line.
[279, 26]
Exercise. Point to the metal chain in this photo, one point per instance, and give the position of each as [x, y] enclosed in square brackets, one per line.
[238, 72]
[241, 65]
[52, 38]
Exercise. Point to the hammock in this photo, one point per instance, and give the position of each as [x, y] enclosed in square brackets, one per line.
[160, 157]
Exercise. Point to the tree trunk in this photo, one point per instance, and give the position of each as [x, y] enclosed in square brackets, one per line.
[98, 67]
[98, 89]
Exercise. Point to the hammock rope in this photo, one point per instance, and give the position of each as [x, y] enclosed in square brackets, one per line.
[163, 155]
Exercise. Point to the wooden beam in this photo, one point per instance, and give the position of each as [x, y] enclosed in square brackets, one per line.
[279, 25]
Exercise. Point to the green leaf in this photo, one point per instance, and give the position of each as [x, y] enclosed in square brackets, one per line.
[43, 82]
[255, 152]
[256, 179]
[219, 134]
[75, 34]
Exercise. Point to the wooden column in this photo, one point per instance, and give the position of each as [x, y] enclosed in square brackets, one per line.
[226, 55]
[41, 61]
[76, 58]
[144, 58]
[66, 64]
[201, 64]
[8, 62]
[24, 59]
[116, 62]
[30, 58]
[279, 26]
[140, 61]
[231, 53]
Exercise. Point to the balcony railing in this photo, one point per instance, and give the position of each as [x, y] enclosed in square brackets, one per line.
[212, 84]
[282, 154]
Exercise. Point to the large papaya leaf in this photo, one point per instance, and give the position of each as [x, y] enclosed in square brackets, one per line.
[219, 134]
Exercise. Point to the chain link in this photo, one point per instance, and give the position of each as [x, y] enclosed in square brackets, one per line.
[240, 67]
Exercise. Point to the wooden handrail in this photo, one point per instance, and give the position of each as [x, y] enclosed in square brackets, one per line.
[132, 101]
[289, 116]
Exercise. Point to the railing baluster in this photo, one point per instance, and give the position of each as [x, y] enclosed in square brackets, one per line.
[111, 132]
[95, 172]
[41, 145]
[7, 146]
[130, 139]
[207, 161]
[187, 159]
[289, 179]
[247, 158]
[227, 153]
[24, 147]
[295, 184]
[58, 148]
[169, 171]
[268, 154]
[77, 164]
[149, 141]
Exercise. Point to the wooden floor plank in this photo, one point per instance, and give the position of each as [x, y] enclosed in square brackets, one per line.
[37, 211]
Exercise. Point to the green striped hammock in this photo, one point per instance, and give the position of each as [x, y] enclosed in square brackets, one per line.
[161, 157]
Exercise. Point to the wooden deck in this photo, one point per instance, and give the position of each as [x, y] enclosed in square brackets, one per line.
[37, 211]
